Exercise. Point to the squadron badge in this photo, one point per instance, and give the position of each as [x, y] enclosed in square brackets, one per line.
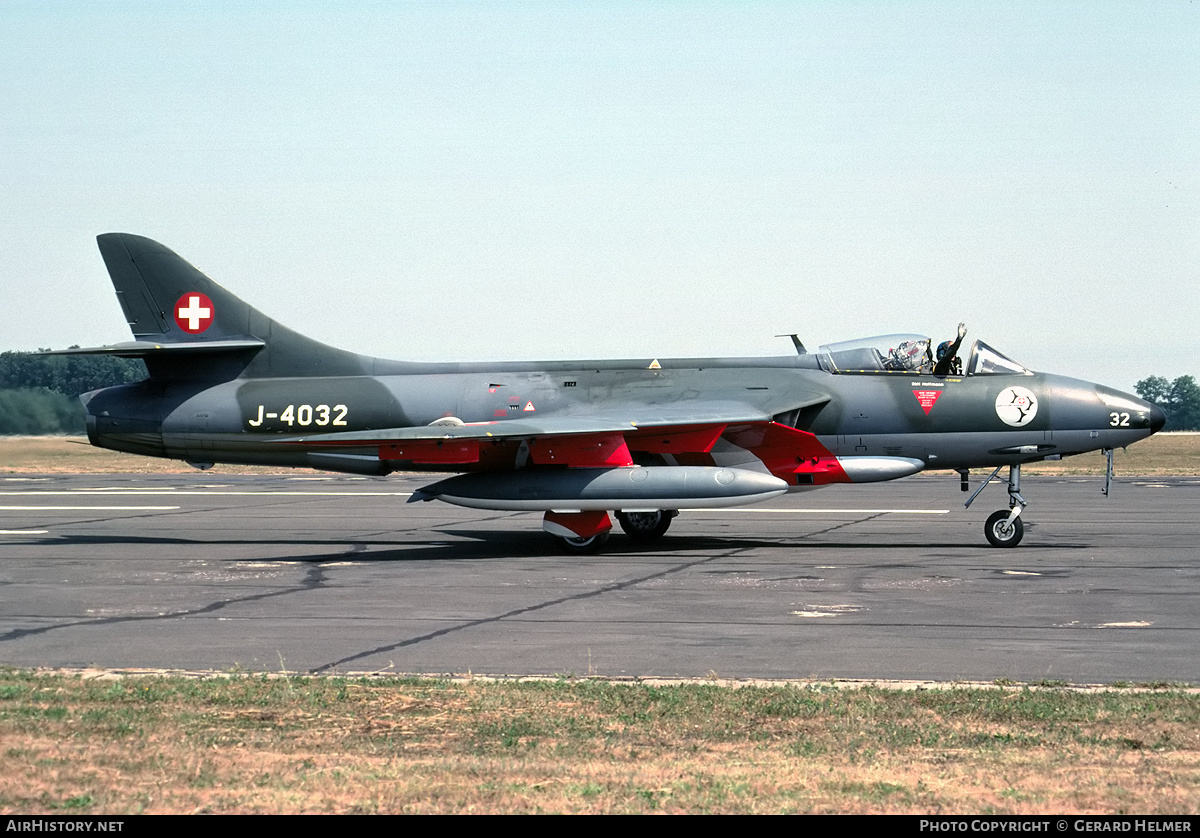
[1016, 406]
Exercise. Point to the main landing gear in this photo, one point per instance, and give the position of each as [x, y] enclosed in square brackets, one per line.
[1004, 528]
[581, 546]
[584, 533]
[646, 526]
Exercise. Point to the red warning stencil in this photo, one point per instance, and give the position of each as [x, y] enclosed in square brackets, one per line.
[927, 398]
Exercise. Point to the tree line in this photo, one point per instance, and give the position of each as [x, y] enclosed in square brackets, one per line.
[39, 394]
[1179, 399]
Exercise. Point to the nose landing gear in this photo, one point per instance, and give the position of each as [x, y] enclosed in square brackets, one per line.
[1003, 532]
[1004, 528]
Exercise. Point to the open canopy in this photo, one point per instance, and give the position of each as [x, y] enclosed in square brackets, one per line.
[909, 353]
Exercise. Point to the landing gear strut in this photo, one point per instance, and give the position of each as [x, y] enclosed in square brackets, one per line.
[1004, 528]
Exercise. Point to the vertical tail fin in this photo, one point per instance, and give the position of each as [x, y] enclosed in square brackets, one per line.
[164, 298]
[169, 303]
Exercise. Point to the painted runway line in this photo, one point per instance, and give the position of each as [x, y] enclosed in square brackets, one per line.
[83, 508]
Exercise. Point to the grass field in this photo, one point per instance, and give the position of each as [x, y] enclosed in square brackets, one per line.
[1163, 454]
[283, 744]
[74, 455]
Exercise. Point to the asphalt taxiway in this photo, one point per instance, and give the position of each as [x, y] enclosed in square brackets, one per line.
[338, 575]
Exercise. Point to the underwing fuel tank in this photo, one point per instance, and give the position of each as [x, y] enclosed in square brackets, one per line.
[875, 469]
[632, 489]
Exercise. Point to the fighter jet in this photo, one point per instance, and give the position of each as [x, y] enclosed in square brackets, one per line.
[577, 440]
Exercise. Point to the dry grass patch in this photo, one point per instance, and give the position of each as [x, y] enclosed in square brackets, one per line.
[1160, 455]
[75, 455]
[255, 744]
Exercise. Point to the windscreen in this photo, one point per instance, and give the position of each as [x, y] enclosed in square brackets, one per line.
[987, 361]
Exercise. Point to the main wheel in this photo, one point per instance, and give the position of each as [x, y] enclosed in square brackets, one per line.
[646, 526]
[1002, 534]
[582, 546]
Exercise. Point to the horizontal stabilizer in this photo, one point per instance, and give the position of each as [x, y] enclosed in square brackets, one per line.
[147, 349]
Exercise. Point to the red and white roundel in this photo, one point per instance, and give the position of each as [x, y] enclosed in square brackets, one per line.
[194, 313]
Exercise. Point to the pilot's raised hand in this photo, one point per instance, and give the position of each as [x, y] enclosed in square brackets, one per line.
[962, 330]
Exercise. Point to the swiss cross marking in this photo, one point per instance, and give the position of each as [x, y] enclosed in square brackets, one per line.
[927, 398]
[194, 313]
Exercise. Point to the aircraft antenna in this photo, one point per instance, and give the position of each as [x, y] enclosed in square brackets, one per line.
[800, 350]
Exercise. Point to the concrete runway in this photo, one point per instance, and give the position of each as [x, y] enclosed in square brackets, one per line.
[337, 575]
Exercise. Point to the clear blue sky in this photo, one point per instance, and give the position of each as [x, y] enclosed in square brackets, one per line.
[492, 180]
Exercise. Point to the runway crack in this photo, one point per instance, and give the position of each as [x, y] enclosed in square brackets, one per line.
[844, 524]
[314, 578]
[517, 612]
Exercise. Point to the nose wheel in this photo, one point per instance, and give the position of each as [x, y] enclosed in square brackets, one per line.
[1004, 528]
[1001, 532]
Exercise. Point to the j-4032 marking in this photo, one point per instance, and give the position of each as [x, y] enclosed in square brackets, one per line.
[303, 415]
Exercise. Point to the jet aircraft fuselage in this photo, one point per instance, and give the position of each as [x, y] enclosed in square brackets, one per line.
[576, 439]
[950, 422]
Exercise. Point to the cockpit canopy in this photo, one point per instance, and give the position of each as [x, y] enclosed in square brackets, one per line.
[911, 354]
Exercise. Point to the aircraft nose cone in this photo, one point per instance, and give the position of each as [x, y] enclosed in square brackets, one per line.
[1157, 419]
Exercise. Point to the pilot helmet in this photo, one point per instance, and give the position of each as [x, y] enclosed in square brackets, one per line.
[942, 349]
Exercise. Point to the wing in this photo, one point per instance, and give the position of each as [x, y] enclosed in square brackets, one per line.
[702, 433]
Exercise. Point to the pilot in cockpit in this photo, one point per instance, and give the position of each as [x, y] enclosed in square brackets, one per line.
[948, 362]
